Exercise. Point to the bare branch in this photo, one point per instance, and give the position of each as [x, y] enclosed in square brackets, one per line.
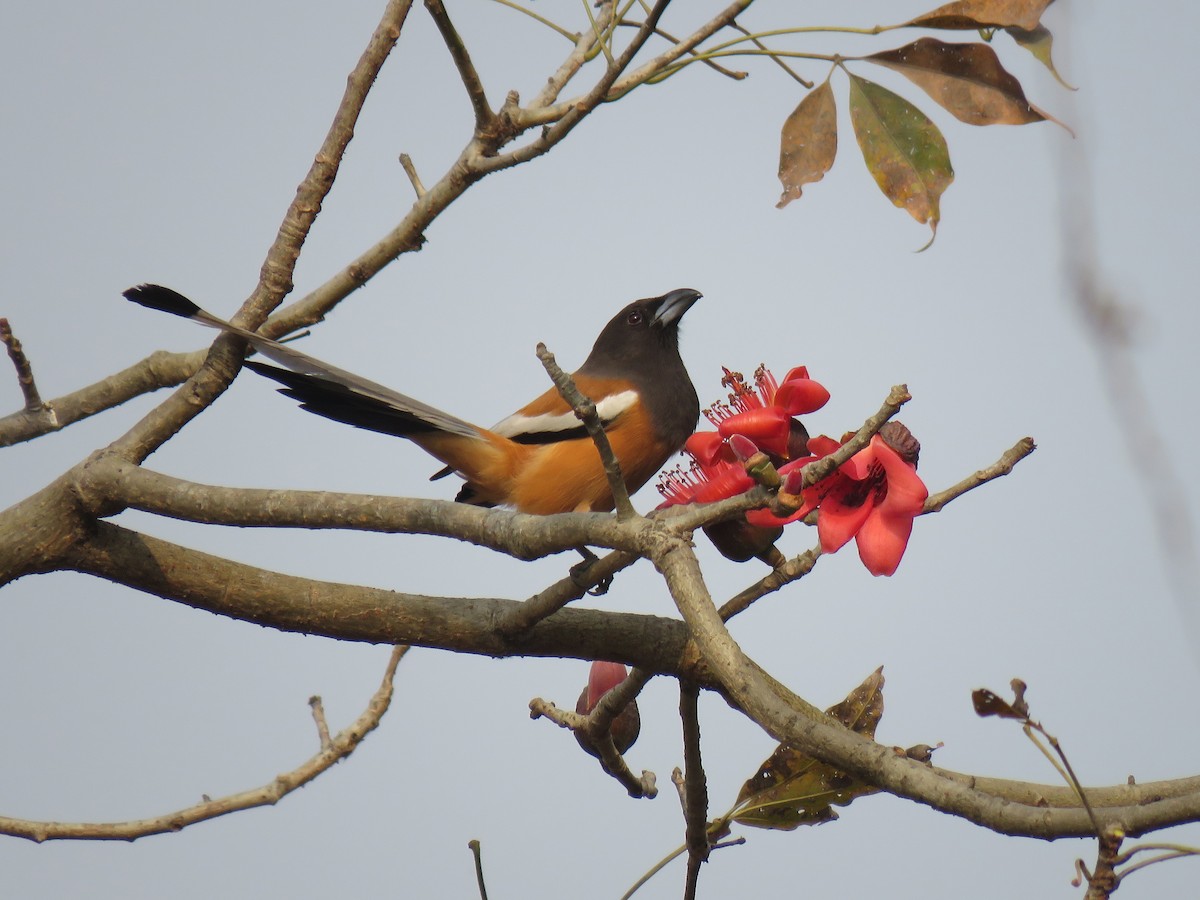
[1002, 466]
[610, 758]
[108, 485]
[466, 69]
[318, 712]
[476, 851]
[33, 400]
[354, 613]
[793, 570]
[799, 566]
[789, 718]
[778, 60]
[573, 112]
[156, 371]
[275, 277]
[338, 748]
[522, 617]
[825, 466]
[414, 179]
[585, 411]
[715, 66]
[695, 791]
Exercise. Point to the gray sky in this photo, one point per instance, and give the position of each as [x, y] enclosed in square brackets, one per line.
[162, 142]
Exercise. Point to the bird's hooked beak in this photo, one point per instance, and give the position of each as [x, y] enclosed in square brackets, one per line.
[673, 306]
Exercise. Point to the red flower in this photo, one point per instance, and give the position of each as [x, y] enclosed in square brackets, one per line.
[602, 678]
[873, 498]
[765, 413]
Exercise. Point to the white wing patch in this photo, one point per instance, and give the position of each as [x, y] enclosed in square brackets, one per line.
[548, 424]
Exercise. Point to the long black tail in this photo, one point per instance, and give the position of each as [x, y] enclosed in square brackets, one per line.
[321, 388]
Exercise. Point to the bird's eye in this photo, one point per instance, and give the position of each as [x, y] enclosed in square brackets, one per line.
[635, 317]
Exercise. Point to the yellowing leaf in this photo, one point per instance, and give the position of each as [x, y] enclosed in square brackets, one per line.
[808, 144]
[966, 79]
[1039, 41]
[904, 151]
[792, 789]
[973, 14]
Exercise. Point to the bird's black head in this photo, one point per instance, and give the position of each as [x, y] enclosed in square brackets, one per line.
[641, 337]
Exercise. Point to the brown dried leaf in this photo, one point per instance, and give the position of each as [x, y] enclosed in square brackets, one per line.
[808, 144]
[1040, 42]
[972, 14]
[966, 79]
[988, 703]
[863, 707]
[792, 789]
[904, 151]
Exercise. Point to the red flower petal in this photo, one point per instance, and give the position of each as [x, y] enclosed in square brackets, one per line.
[769, 428]
[838, 522]
[906, 492]
[882, 541]
[799, 396]
[822, 445]
[705, 446]
[723, 480]
[602, 678]
[798, 372]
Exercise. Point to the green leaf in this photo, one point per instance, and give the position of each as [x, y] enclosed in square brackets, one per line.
[904, 151]
[966, 79]
[808, 144]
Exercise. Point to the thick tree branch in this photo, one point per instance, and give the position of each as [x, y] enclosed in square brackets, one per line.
[333, 750]
[107, 485]
[372, 615]
[790, 719]
[652, 643]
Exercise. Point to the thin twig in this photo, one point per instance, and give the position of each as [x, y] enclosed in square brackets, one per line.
[779, 62]
[585, 411]
[414, 179]
[318, 712]
[1162, 857]
[340, 746]
[462, 61]
[610, 759]
[728, 73]
[546, 603]
[566, 117]
[826, 465]
[33, 400]
[1066, 770]
[1003, 466]
[695, 807]
[477, 852]
[557, 29]
[793, 570]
